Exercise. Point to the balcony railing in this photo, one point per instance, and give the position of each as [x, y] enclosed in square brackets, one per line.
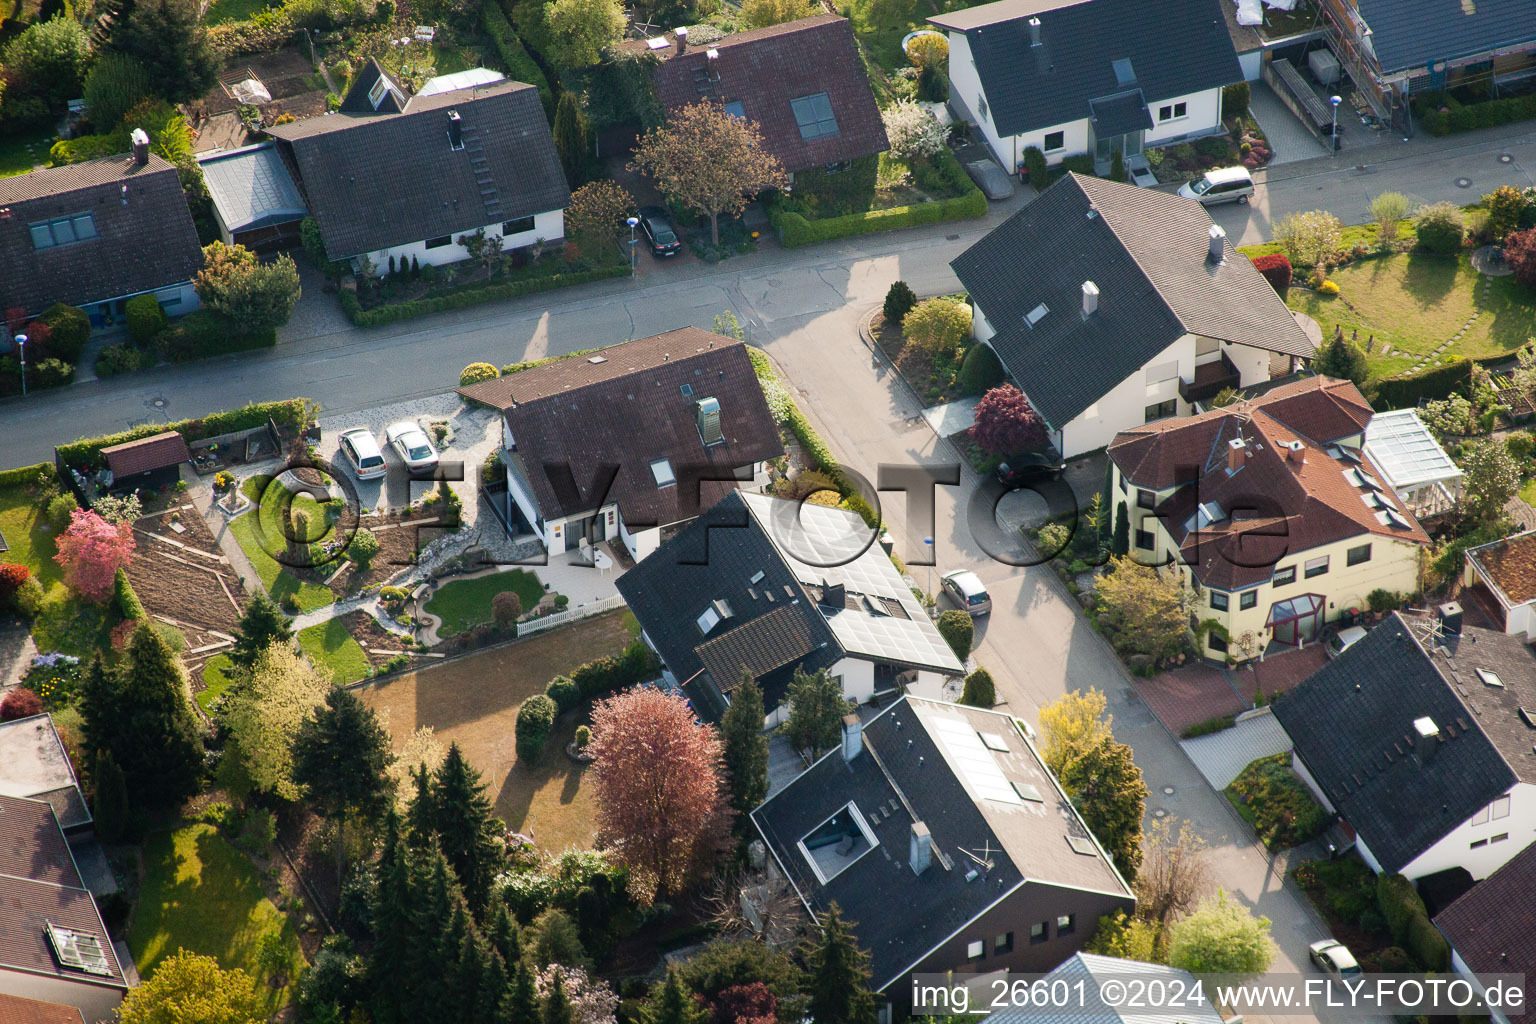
[1211, 379]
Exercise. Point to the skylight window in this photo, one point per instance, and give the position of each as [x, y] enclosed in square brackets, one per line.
[973, 762]
[1490, 678]
[735, 109]
[993, 741]
[661, 469]
[814, 116]
[686, 389]
[1035, 315]
[1027, 792]
[708, 620]
[79, 950]
[832, 847]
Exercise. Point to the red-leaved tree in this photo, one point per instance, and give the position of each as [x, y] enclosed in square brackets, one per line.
[745, 1004]
[20, 703]
[660, 801]
[91, 551]
[1276, 268]
[12, 576]
[1006, 423]
[1520, 254]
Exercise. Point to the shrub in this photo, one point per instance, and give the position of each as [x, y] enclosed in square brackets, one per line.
[1209, 726]
[474, 373]
[29, 597]
[506, 608]
[363, 548]
[1036, 167]
[116, 359]
[494, 292]
[61, 510]
[958, 631]
[1328, 288]
[636, 665]
[565, 693]
[981, 371]
[1234, 99]
[980, 691]
[515, 59]
[124, 597]
[1400, 904]
[207, 333]
[1006, 424]
[583, 736]
[69, 329]
[1408, 390]
[1427, 945]
[914, 133]
[899, 301]
[145, 319]
[1520, 252]
[1276, 269]
[938, 326]
[12, 577]
[20, 703]
[1380, 600]
[1309, 238]
[535, 720]
[51, 373]
[1440, 227]
[85, 453]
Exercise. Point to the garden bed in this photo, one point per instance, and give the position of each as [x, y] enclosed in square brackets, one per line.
[405, 295]
[875, 194]
[1243, 144]
[1344, 892]
[1269, 796]
[184, 577]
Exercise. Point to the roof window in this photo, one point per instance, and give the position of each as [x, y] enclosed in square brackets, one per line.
[831, 847]
[79, 950]
[1490, 678]
[1035, 315]
[661, 469]
[814, 116]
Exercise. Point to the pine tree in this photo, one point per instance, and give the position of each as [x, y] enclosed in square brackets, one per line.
[570, 131]
[674, 1004]
[491, 986]
[342, 755]
[168, 38]
[261, 624]
[415, 267]
[521, 1005]
[110, 806]
[837, 982]
[466, 827]
[745, 748]
[393, 925]
[463, 957]
[421, 815]
[435, 896]
[506, 937]
[557, 1005]
[98, 707]
[1121, 545]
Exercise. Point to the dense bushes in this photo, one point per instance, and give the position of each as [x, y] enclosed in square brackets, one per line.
[1234, 99]
[565, 693]
[1276, 268]
[124, 597]
[12, 576]
[1437, 382]
[474, 373]
[206, 333]
[604, 675]
[1408, 922]
[795, 229]
[144, 318]
[958, 631]
[1520, 253]
[1440, 227]
[535, 721]
[1036, 168]
[1441, 114]
[981, 371]
[86, 452]
[69, 328]
[493, 292]
[520, 67]
[116, 359]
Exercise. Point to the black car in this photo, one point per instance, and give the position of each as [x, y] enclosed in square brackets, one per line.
[657, 228]
[1030, 467]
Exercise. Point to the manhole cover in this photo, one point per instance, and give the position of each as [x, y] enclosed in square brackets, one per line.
[158, 403]
[1506, 158]
[951, 238]
[1463, 182]
[1167, 791]
[1159, 813]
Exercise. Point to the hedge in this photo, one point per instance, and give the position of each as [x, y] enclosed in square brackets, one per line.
[519, 65]
[27, 476]
[389, 314]
[535, 721]
[1408, 922]
[1458, 117]
[605, 675]
[205, 333]
[1437, 382]
[86, 452]
[1275, 267]
[795, 230]
[124, 596]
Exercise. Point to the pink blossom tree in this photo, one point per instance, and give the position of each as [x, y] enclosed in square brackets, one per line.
[91, 551]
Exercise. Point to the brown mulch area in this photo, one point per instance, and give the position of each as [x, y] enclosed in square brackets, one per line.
[932, 382]
[184, 587]
[366, 630]
[887, 335]
[397, 546]
[285, 75]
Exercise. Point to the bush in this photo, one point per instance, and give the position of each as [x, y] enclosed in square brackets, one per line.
[1036, 168]
[958, 631]
[494, 292]
[1276, 269]
[604, 675]
[565, 693]
[535, 720]
[207, 333]
[938, 326]
[1520, 252]
[506, 608]
[1234, 99]
[20, 703]
[12, 577]
[474, 373]
[60, 510]
[1380, 600]
[145, 319]
[123, 596]
[1427, 945]
[1209, 726]
[1440, 227]
[899, 300]
[51, 373]
[69, 329]
[363, 548]
[29, 597]
[980, 371]
[980, 691]
[116, 359]
[1408, 390]
[1400, 903]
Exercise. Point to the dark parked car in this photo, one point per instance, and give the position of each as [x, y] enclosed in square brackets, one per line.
[1031, 467]
[657, 228]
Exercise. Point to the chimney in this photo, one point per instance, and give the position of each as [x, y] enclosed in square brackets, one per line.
[834, 595]
[921, 854]
[1034, 31]
[1090, 299]
[1237, 451]
[1218, 249]
[709, 421]
[853, 737]
[681, 34]
[1296, 452]
[1426, 739]
[1448, 616]
[140, 140]
[455, 130]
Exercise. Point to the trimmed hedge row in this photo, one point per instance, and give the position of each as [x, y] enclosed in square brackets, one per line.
[389, 314]
[795, 230]
[86, 452]
[1457, 117]
[26, 476]
[1408, 920]
[1437, 382]
[514, 56]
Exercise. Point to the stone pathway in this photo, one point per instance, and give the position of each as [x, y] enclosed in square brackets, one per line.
[16, 653]
[1480, 298]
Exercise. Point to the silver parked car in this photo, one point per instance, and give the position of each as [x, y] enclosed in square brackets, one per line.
[965, 588]
[362, 453]
[410, 442]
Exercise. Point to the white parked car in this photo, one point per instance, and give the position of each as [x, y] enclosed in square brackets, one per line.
[1334, 958]
[1223, 185]
[410, 442]
[1343, 640]
[966, 589]
[362, 453]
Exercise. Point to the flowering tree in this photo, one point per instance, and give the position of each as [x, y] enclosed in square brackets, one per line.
[118, 511]
[745, 1004]
[913, 131]
[265, 716]
[592, 1002]
[91, 551]
[1310, 238]
[1520, 254]
[1006, 423]
[660, 798]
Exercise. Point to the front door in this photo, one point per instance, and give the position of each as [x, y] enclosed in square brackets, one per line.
[1105, 148]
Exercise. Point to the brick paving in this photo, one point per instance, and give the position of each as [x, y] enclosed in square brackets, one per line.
[1289, 139]
[1279, 672]
[1186, 696]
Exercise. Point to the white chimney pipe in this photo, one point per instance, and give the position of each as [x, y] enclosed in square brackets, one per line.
[1090, 299]
[1034, 31]
[1218, 250]
[853, 737]
[681, 32]
[1237, 451]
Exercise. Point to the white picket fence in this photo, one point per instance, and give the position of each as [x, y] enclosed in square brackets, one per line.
[586, 611]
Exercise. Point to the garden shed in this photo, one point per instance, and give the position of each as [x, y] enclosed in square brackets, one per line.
[149, 463]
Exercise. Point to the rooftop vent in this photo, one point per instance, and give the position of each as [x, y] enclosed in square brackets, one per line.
[140, 140]
[1237, 451]
[1034, 31]
[1426, 738]
[709, 421]
[455, 130]
[712, 53]
[920, 853]
[1448, 618]
[681, 33]
[1090, 299]
[1296, 451]
[1218, 247]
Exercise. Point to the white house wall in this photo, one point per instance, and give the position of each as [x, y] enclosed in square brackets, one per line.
[1522, 619]
[1125, 405]
[641, 542]
[1252, 64]
[1455, 850]
[1203, 115]
[858, 678]
[550, 226]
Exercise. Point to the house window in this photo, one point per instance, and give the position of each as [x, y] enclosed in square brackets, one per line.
[1123, 488]
[1216, 642]
[661, 469]
[975, 950]
[1146, 498]
[517, 227]
[1501, 808]
[1499, 838]
[1481, 817]
[1037, 933]
[1218, 600]
[1002, 944]
[1055, 141]
[1145, 540]
[735, 109]
[1479, 843]
[814, 116]
[78, 227]
[1316, 567]
[1249, 599]
[1162, 409]
[1066, 924]
[1284, 576]
[1357, 555]
[376, 93]
[1172, 111]
[439, 241]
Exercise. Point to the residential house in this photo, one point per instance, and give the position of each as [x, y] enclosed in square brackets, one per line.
[1097, 76]
[54, 947]
[1492, 929]
[35, 765]
[629, 442]
[1094, 970]
[1271, 510]
[403, 178]
[96, 234]
[1420, 737]
[801, 82]
[255, 202]
[1500, 582]
[1412, 462]
[1111, 306]
[774, 586]
[1395, 49]
[16, 1010]
[939, 830]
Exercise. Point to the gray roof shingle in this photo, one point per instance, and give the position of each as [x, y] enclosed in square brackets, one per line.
[380, 179]
[1493, 925]
[1175, 47]
[1147, 252]
[144, 234]
[251, 188]
[1407, 34]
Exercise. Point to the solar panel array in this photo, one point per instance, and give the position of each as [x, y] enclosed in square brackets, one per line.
[972, 761]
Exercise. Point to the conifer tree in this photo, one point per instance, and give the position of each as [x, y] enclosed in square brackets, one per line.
[466, 827]
[745, 750]
[674, 1004]
[393, 925]
[521, 1005]
[421, 816]
[506, 937]
[342, 755]
[110, 804]
[557, 1005]
[837, 983]
[261, 625]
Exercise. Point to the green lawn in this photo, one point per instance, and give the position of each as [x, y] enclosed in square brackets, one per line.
[261, 535]
[330, 644]
[1528, 492]
[30, 540]
[203, 895]
[466, 603]
[450, 58]
[221, 11]
[17, 158]
[881, 24]
[215, 681]
[64, 623]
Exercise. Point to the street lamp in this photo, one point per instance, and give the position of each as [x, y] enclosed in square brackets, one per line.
[21, 346]
[928, 542]
[1333, 133]
[633, 222]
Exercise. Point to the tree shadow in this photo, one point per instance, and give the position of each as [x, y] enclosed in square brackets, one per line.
[1511, 313]
[1429, 277]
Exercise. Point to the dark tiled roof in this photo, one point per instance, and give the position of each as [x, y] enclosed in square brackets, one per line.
[1406, 34]
[146, 454]
[1174, 48]
[1147, 252]
[1493, 926]
[634, 418]
[16, 1010]
[1352, 723]
[1121, 113]
[766, 643]
[1511, 566]
[713, 559]
[376, 179]
[143, 244]
[766, 68]
[909, 759]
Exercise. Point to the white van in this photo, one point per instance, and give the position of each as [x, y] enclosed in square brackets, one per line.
[1223, 185]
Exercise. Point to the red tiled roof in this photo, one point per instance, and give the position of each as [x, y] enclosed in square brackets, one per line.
[16, 1010]
[146, 454]
[32, 844]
